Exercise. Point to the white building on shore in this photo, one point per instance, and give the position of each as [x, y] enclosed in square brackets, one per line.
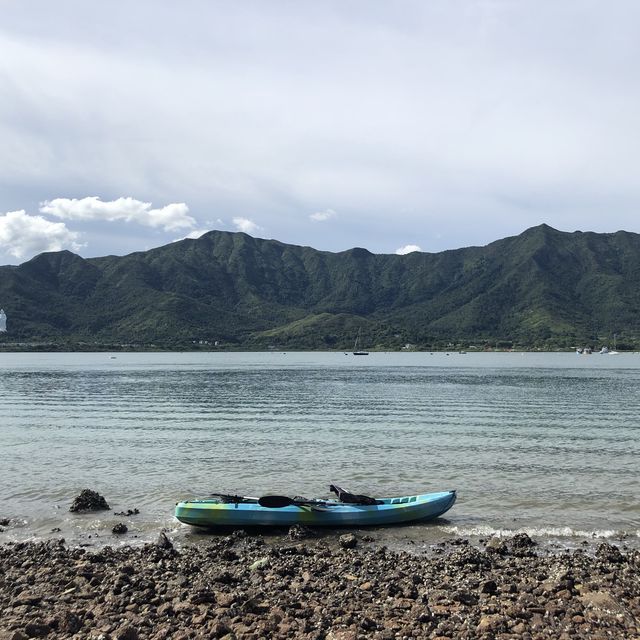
[3, 320]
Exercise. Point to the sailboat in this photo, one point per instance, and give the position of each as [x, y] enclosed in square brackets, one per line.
[355, 347]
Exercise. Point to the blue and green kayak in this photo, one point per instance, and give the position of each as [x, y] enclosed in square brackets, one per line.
[216, 512]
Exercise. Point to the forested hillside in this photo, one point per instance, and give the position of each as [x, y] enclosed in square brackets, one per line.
[543, 288]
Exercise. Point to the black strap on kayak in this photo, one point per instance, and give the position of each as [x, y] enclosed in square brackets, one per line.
[229, 499]
[352, 498]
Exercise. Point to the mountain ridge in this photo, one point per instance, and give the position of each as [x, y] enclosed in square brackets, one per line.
[542, 288]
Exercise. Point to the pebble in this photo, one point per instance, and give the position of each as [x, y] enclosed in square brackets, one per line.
[315, 590]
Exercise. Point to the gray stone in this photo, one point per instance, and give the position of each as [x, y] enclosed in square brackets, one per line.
[348, 541]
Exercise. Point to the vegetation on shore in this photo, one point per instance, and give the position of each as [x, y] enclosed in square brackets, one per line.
[541, 290]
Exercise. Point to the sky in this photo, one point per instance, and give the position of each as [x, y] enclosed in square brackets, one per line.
[394, 125]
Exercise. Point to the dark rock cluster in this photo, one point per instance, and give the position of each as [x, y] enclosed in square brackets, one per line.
[89, 500]
[240, 587]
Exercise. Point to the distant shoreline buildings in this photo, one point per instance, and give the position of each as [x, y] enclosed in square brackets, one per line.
[3, 320]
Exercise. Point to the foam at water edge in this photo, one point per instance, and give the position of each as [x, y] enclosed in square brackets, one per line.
[538, 532]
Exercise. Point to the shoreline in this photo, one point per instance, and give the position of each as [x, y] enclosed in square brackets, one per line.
[238, 586]
[114, 348]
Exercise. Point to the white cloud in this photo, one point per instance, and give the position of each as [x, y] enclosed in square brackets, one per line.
[246, 225]
[170, 218]
[321, 216]
[22, 235]
[442, 116]
[194, 235]
[408, 248]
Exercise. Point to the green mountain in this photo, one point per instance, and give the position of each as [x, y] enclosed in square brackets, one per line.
[543, 288]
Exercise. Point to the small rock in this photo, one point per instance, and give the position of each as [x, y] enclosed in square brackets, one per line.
[120, 528]
[609, 553]
[497, 546]
[603, 601]
[225, 600]
[341, 634]
[348, 541]
[163, 541]
[468, 556]
[26, 598]
[37, 630]
[127, 633]
[519, 628]
[69, 623]
[489, 622]
[464, 597]
[229, 555]
[4, 522]
[165, 609]
[522, 541]
[258, 564]
[203, 597]
[299, 532]
[488, 586]
[89, 500]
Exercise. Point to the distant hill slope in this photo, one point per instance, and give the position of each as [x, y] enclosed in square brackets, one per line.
[543, 287]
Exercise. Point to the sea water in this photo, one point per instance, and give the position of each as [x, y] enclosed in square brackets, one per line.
[546, 443]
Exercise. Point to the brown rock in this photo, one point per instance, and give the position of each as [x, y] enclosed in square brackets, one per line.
[127, 632]
[69, 622]
[165, 609]
[348, 541]
[490, 622]
[26, 598]
[341, 634]
[183, 607]
[519, 628]
[497, 546]
[602, 602]
[225, 600]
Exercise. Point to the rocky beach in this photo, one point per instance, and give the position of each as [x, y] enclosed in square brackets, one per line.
[339, 588]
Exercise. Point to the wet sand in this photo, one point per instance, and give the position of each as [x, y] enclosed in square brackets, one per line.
[239, 586]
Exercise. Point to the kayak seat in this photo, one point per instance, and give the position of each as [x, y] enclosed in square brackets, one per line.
[352, 498]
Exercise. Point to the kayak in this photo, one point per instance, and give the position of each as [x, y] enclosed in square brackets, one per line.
[215, 512]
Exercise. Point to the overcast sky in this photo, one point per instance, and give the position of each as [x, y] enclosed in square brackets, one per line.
[390, 125]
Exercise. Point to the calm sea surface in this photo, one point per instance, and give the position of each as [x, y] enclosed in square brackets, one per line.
[543, 443]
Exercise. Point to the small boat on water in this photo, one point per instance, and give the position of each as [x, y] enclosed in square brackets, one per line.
[356, 351]
[281, 511]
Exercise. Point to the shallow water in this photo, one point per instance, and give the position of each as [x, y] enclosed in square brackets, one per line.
[543, 443]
